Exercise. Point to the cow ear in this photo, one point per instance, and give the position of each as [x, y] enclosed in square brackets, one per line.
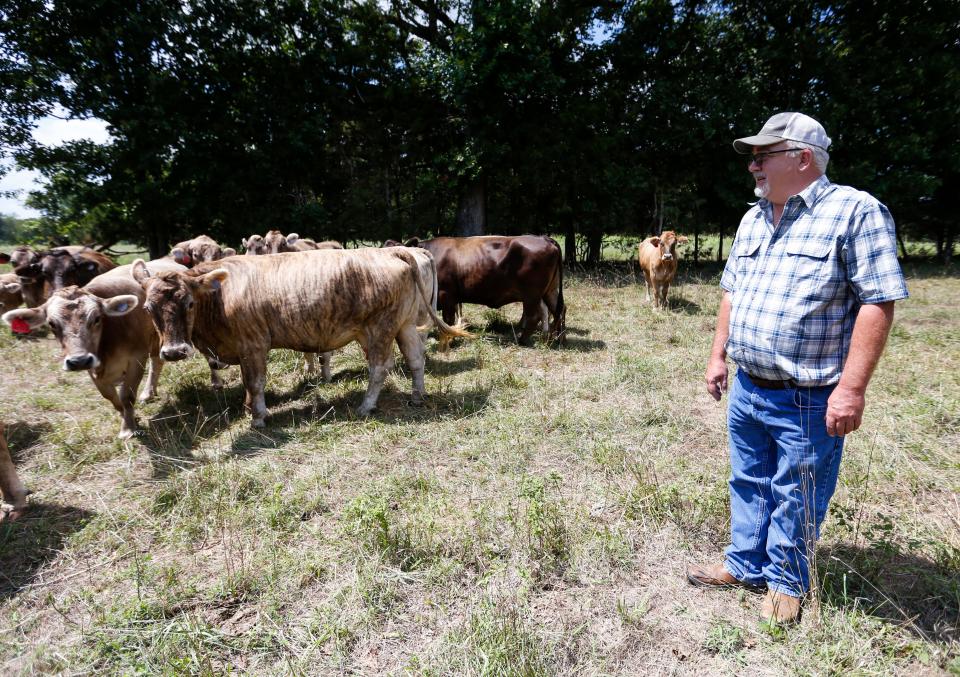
[245, 243]
[12, 287]
[120, 305]
[228, 251]
[682, 239]
[180, 256]
[412, 242]
[292, 239]
[391, 243]
[27, 318]
[139, 271]
[28, 271]
[212, 280]
[655, 241]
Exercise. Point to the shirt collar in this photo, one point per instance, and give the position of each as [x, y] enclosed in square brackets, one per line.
[808, 195]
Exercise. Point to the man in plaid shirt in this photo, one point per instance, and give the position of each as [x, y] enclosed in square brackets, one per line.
[808, 294]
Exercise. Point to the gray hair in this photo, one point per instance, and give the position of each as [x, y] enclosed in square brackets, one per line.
[820, 156]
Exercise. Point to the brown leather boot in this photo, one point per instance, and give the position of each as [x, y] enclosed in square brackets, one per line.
[717, 576]
[780, 608]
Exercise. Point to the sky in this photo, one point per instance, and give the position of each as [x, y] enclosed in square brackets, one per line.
[50, 131]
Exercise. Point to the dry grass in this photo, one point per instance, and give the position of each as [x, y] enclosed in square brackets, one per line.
[533, 518]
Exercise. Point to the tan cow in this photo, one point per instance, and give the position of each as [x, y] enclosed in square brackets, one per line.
[12, 490]
[11, 295]
[240, 308]
[104, 329]
[658, 259]
[275, 242]
[201, 248]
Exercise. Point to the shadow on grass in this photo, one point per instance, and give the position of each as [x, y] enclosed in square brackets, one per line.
[35, 539]
[22, 436]
[680, 304]
[896, 586]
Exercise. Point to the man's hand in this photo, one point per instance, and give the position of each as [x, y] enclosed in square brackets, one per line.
[844, 411]
[716, 378]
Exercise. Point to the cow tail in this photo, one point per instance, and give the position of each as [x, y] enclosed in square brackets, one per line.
[559, 329]
[446, 331]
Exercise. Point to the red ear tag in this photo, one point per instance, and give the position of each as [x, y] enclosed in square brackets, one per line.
[186, 260]
[19, 326]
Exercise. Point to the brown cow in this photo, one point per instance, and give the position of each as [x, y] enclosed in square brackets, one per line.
[658, 259]
[276, 242]
[494, 270]
[12, 490]
[31, 288]
[103, 329]
[240, 308]
[201, 248]
[11, 295]
[64, 266]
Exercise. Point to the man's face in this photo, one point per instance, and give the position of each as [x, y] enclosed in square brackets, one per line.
[777, 174]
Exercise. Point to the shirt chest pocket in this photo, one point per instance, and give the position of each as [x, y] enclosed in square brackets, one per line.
[746, 255]
[810, 260]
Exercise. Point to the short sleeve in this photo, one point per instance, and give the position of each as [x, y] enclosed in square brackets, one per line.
[870, 255]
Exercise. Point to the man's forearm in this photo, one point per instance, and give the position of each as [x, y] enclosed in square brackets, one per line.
[720, 336]
[870, 333]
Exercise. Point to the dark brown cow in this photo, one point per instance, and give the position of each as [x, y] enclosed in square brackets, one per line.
[65, 266]
[201, 248]
[31, 288]
[494, 270]
[240, 308]
[103, 329]
[12, 490]
[276, 242]
[658, 260]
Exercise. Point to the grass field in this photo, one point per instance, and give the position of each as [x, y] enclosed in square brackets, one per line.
[533, 518]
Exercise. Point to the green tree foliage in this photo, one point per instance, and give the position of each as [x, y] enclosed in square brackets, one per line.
[384, 118]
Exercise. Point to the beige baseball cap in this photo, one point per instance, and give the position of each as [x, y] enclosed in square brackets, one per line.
[786, 127]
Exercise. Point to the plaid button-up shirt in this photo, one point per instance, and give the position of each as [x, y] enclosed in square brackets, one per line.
[795, 289]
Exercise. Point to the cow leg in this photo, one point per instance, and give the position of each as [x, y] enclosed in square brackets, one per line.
[325, 366]
[530, 311]
[153, 377]
[128, 396]
[412, 349]
[380, 361]
[649, 283]
[12, 490]
[253, 371]
[109, 391]
[215, 381]
[310, 363]
[449, 311]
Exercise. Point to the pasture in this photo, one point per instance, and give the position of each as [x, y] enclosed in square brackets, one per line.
[534, 517]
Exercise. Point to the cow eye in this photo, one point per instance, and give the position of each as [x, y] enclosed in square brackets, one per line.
[189, 305]
[96, 321]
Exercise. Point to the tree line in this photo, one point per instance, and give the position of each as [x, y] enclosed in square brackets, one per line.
[369, 119]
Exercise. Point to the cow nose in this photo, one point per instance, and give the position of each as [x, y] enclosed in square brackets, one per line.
[174, 353]
[667, 256]
[78, 362]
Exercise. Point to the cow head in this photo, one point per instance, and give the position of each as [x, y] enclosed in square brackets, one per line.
[11, 294]
[171, 303]
[76, 318]
[667, 244]
[254, 245]
[199, 249]
[60, 268]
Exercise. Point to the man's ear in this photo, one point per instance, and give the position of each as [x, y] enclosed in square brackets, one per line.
[32, 318]
[211, 281]
[120, 305]
[139, 271]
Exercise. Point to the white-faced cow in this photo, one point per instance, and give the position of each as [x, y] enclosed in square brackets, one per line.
[201, 248]
[12, 490]
[658, 259]
[11, 292]
[104, 330]
[275, 242]
[494, 270]
[240, 308]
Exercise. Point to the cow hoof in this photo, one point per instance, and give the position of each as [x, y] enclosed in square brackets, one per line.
[258, 423]
[126, 434]
[146, 397]
[365, 411]
[12, 515]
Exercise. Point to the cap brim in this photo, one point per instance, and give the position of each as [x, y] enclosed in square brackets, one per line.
[745, 145]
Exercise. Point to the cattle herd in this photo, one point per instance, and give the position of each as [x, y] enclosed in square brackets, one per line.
[121, 322]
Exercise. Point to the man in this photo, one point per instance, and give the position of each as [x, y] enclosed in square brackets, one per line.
[808, 293]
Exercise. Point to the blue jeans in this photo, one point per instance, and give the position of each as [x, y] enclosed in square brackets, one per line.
[784, 470]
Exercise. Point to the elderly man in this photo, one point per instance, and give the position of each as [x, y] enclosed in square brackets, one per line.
[808, 293]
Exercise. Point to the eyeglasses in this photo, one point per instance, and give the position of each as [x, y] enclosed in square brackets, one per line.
[760, 158]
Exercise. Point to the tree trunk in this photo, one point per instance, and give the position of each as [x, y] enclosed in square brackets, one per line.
[903, 246]
[569, 239]
[594, 246]
[472, 209]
